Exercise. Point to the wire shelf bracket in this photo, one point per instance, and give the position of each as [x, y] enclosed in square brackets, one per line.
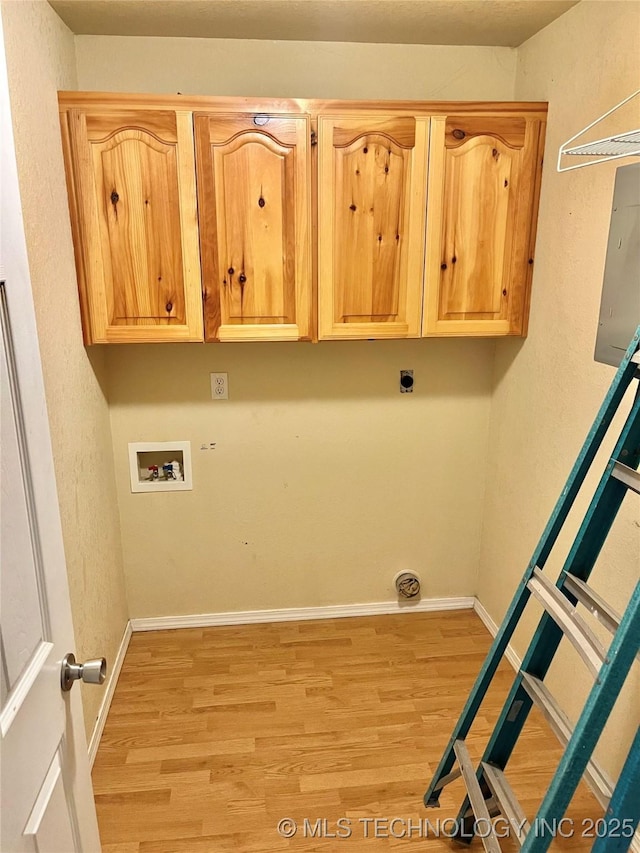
[613, 147]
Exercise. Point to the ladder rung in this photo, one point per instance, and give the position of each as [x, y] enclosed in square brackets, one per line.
[450, 777]
[563, 613]
[492, 808]
[603, 611]
[476, 798]
[600, 608]
[629, 476]
[507, 801]
[596, 778]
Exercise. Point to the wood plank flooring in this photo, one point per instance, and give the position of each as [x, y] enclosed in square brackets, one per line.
[217, 734]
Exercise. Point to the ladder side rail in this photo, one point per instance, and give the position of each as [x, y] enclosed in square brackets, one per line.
[507, 730]
[443, 773]
[542, 648]
[604, 505]
[622, 380]
[599, 704]
[623, 814]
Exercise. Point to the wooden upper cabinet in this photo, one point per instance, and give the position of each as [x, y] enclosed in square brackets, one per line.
[254, 198]
[371, 225]
[217, 219]
[131, 179]
[484, 175]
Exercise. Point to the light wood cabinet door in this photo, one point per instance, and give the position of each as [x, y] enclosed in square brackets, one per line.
[254, 198]
[484, 176]
[372, 197]
[131, 177]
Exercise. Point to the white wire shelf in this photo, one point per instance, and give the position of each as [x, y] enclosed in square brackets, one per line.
[626, 144]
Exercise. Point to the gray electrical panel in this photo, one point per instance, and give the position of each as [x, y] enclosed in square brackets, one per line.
[620, 305]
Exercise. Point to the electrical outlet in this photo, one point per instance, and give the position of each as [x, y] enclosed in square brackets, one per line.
[219, 386]
[406, 381]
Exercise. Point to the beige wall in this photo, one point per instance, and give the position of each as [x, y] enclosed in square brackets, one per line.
[40, 58]
[548, 390]
[325, 480]
[293, 68]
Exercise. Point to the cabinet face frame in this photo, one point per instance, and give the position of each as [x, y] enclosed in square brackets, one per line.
[89, 212]
[409, 260]
[224, 250]
[520, 229]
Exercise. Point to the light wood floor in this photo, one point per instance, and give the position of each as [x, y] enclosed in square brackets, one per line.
[216, 734]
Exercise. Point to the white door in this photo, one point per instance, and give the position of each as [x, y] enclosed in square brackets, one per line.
[46, 797]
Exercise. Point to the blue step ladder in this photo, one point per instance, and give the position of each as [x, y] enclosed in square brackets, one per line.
[488, 791]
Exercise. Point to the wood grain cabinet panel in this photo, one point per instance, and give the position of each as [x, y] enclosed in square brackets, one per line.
[484, 174]
[131, 178]
[372, 196]
[407, 219]
[254, 196]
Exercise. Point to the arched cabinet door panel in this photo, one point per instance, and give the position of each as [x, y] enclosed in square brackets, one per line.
[254, 198]
[372, 197]
[483, 196]
[131, 177]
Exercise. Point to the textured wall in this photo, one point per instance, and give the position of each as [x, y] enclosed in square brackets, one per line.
[294, 69]
[548, 390]
[325, 480]
[40, 58]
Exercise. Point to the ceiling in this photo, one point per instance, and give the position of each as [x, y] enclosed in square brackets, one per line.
[480, 22]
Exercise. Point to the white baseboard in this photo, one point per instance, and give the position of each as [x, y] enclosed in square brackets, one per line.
[295, 614]
[492, 627]
[96, 734]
